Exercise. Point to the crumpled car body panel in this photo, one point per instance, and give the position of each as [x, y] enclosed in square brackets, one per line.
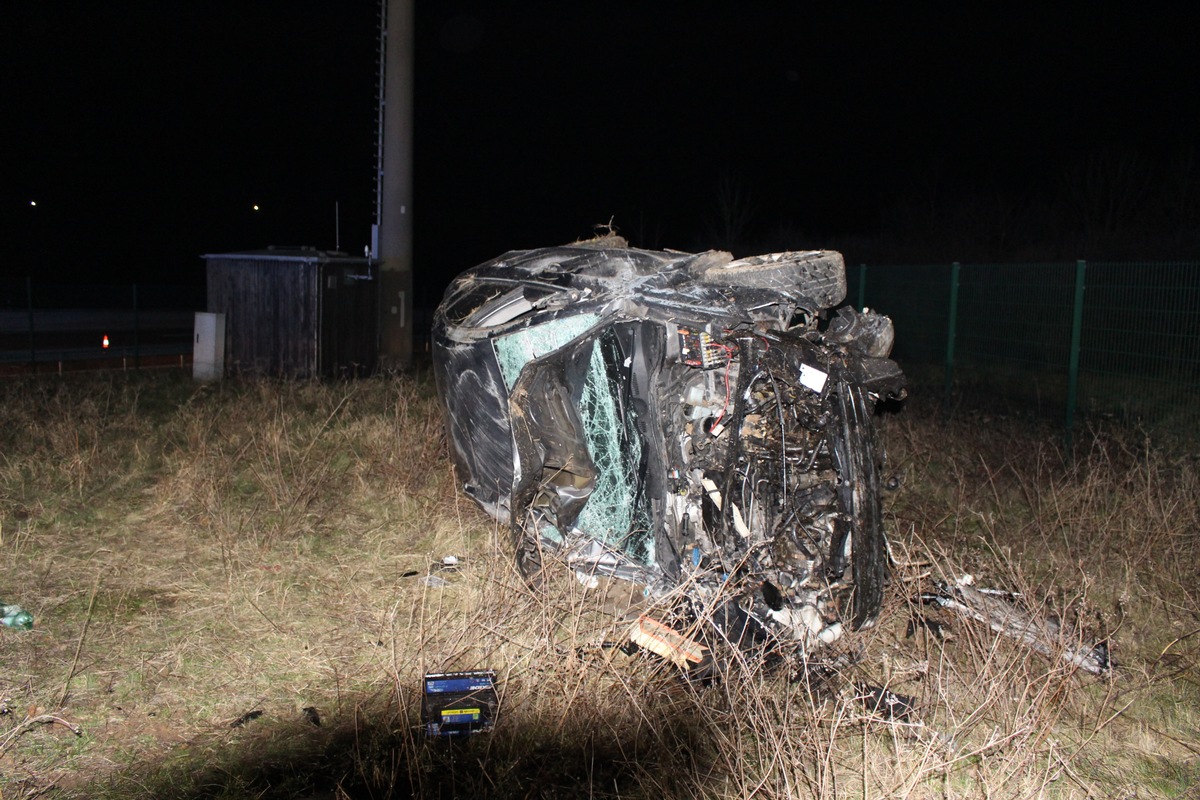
[677, 419]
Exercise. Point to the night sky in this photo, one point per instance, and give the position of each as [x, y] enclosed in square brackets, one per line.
[147, 131]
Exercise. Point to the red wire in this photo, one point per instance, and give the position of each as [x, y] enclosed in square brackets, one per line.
[728, 363]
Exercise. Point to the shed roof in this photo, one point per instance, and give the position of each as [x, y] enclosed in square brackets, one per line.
[306, 255]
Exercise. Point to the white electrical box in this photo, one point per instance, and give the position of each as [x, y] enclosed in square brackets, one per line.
[208, 350]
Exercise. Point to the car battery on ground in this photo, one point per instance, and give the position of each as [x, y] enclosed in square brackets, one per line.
[459, 703]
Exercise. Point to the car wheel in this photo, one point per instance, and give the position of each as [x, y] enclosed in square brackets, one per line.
[818, 274]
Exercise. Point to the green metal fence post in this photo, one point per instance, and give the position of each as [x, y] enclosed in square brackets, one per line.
[1073, 365]
[951, 334]
[862, 286]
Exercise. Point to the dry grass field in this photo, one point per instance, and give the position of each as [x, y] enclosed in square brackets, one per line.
[238, 587]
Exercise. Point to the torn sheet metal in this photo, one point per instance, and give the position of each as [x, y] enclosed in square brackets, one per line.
[680, 420]
[999, 611]
[883, 703]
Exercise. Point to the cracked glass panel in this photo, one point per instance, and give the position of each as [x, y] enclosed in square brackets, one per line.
[515, 350]
[614, 513]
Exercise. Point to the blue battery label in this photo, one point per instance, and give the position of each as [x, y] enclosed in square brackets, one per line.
[444, 685]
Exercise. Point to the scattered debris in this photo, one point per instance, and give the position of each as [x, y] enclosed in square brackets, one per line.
[13, 616]
[919, 621]
[434, 582]
[666, 642]
[249, 716]
[884, 703]
[998, 610]
[586, 579]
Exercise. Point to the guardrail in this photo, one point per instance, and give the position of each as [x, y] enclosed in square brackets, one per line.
[95, 326]
[50, 356]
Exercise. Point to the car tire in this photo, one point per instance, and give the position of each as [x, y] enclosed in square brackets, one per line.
[817, 274]
[860, 498]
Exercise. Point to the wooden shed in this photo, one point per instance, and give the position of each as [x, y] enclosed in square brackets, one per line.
[296, 312]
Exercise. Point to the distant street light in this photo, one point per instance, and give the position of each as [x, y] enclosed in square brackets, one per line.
[254, 207]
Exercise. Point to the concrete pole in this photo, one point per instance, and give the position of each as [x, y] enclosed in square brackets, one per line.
[395, 199]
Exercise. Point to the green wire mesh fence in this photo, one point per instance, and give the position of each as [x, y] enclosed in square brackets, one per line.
[1071, 340]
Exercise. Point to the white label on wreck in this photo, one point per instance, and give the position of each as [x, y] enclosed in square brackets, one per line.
[812, 377]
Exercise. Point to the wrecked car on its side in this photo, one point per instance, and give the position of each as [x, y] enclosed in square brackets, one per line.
[698, 424]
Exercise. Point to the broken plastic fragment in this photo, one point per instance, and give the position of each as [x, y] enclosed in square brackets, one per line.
[13, 616]
[713, 493]
[739, 524]
[650, 634]
[830, 634]
[811, 619]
